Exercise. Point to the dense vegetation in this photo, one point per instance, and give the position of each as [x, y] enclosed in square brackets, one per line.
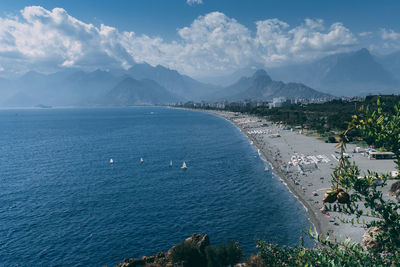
[323, 118]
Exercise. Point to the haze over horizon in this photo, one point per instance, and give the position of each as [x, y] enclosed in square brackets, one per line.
[198, 38]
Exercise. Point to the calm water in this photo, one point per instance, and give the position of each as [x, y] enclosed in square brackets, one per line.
[63, 204]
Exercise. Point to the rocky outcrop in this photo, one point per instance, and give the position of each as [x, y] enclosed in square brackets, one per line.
[159, 259]
[193, 248]
[196, 241]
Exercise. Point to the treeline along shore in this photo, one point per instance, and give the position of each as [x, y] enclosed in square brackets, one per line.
[324, 117]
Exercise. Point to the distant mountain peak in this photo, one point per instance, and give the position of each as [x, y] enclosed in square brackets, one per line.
[363, 51]
[261, 73]
[130, 91]
[261, 77]
[261, 87]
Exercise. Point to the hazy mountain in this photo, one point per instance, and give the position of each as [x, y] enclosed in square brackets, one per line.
[134, 92]
[6, 91]
[391, 62]
[181, 85]
[349, 74]
[68, 87]
[359, 66]
[87, 87]
[20, 99]
[260, 86]
[233, 77]
[77, 87]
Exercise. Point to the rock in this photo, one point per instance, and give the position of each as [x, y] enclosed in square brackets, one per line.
[198, 241]
[192, 252]
[132, 262]
[370, 241]
[157, 260]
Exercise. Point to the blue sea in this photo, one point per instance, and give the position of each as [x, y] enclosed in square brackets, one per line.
[62, 203]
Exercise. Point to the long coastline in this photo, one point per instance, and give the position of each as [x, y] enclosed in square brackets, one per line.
[278, 145]
[268, 157]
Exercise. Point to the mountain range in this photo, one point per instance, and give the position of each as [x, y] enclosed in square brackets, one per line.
[141, 84]
[144, 92]
[345, 74]
[356, 73]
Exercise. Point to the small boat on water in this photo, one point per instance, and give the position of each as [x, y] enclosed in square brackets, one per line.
[141, 160]
[111, 161]
[184, 167]
[170, 163]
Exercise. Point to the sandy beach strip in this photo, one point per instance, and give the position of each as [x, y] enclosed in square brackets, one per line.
[279, 146]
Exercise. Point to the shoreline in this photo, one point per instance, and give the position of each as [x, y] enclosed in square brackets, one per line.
[278, 145]
[275, 169]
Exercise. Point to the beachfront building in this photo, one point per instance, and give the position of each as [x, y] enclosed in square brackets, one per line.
[278, 102]
[381, 155]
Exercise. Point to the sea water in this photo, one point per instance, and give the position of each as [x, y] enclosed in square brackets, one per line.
[63, 203]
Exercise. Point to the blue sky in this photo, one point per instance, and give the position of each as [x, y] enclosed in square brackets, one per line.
[198, 39]
[163, 17]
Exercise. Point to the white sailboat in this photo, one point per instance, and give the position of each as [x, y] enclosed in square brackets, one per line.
[141, 160]
[184, 167]
[111, 161]
[170, 163]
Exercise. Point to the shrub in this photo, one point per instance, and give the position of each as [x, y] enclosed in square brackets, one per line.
[335, 255]
[224, 254]
[187, 255]
[331, 139]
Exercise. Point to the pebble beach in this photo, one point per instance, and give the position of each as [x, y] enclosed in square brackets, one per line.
[285, 148]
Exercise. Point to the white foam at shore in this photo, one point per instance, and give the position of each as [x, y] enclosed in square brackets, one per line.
[270, 164]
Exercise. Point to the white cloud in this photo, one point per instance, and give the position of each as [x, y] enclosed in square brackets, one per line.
[281, 44]
[390, 40]
[390, 35]
[365, 34]
[56, 38]
[46, 40]
[194, 2]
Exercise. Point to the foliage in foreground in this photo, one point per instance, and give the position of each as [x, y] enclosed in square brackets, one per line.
[338, 255]
[381, 127]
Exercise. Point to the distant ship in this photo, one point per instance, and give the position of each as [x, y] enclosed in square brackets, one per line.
[184, 167]
[170, 163]
[141, 160]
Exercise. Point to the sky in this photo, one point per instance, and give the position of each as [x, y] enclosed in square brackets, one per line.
[196, 37]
